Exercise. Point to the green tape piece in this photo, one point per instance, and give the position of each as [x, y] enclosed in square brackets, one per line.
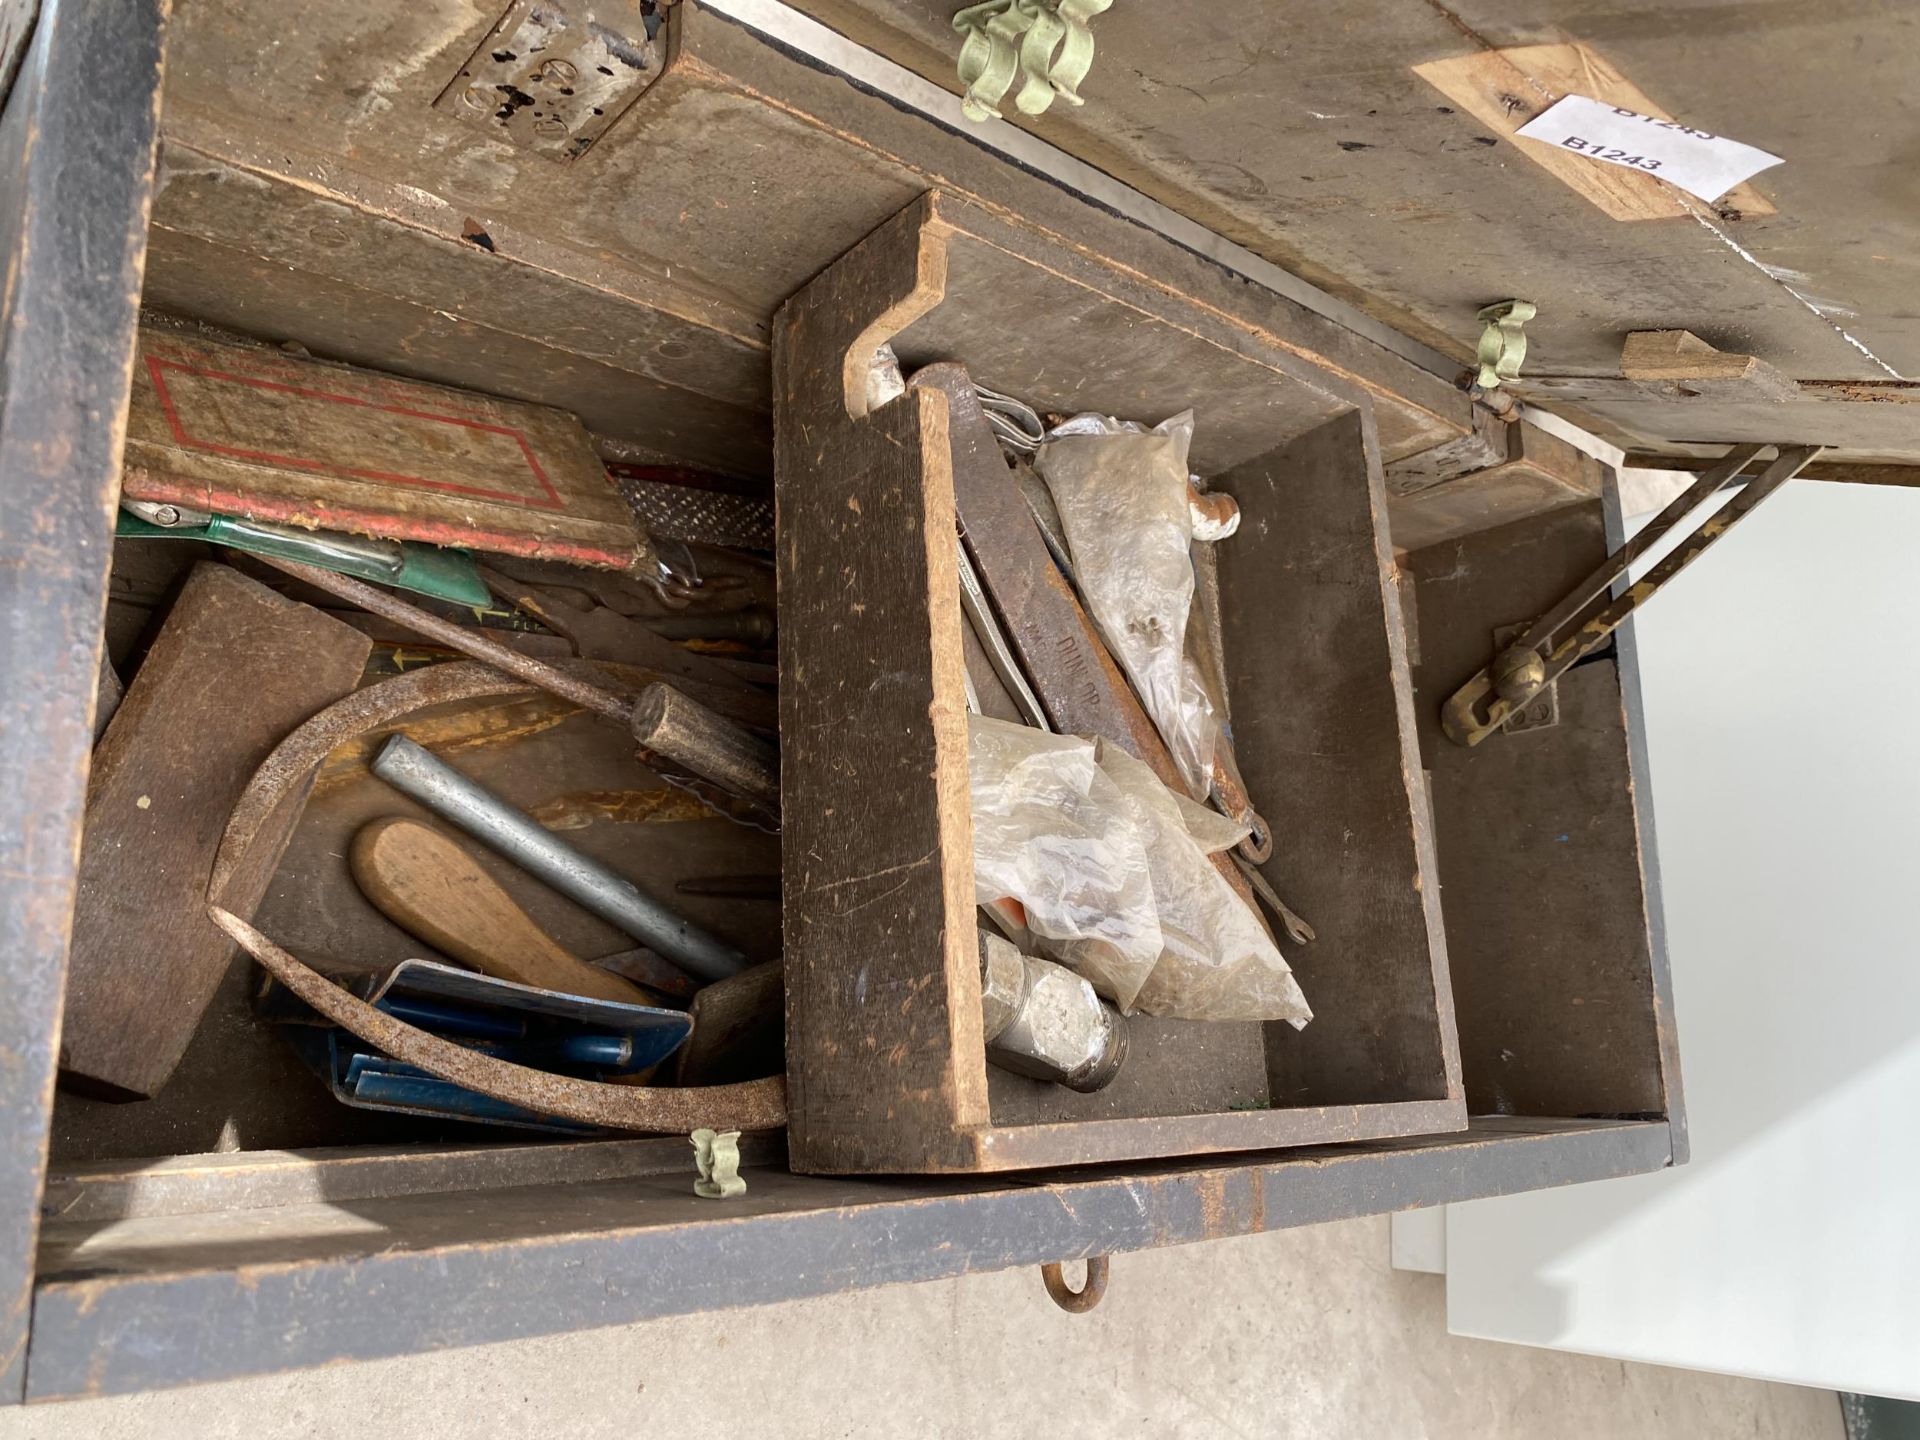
[716, 1156]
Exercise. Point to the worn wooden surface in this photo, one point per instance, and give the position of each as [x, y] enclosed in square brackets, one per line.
[104, 1191]
[1107, 341]
[1324, 734]
[621, 307]
[837, 673]
[885, 1058]
[1174, 1068]
[1486, 444]
[1488, 83]
[1539, 859]
[1539, 472]
[169, 1300]
[234, 670]
[430, 886]
[1862, 422]
[1313, 140]
[1840, 472]
[72, 226]
[244, 430]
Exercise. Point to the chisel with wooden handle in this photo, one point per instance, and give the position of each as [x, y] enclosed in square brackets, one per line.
[433, 889]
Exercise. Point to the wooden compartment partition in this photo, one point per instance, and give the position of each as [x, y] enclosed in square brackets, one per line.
[885, 1060]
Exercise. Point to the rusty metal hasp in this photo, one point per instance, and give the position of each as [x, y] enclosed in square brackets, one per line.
[1581, 623]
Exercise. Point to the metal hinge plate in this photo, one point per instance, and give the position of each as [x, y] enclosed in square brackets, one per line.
[553, 75]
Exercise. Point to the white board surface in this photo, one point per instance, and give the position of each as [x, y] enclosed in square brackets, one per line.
[1782, 679]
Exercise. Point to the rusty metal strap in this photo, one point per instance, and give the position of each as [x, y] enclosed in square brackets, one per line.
[751, 1105]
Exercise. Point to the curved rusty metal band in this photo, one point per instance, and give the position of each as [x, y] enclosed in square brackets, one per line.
[1077, 1302]
[751, 1105]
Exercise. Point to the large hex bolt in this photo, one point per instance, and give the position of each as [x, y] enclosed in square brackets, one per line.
[1044, 1021]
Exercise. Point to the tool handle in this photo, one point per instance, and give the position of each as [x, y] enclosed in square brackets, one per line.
[711, 746]
[433, 889]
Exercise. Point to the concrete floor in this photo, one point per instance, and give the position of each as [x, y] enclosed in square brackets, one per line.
[1305, 1333]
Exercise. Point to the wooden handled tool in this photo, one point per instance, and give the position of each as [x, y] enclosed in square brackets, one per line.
[432, 888]
[680, 728]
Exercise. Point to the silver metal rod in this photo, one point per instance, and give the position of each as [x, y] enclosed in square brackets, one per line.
[530, 845]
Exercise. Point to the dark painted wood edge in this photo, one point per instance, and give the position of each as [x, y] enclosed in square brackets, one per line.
[1640, 784]
[78, 140]
[1419, 799]
[103, 1191]
[108, 1335]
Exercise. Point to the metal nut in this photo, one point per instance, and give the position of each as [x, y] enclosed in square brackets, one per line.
[1060, 1030]
[556, 72]
[550, 126]
[1003, 979]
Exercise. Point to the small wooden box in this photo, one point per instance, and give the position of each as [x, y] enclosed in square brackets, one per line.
[885, 1059]
[244, 430]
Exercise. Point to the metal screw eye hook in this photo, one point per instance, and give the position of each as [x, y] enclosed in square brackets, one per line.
[1077, 1302]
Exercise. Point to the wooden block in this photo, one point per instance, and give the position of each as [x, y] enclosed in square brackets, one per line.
[1484, 445]
[234, 669]
[738, 1029]
[1541, 472]
[1504, 89]
[1696, 368]
[243, 430]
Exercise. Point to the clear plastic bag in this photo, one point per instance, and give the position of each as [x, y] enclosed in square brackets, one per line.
[1051, 830]
[1122, 494]
[1111, 868]
[1217, 961]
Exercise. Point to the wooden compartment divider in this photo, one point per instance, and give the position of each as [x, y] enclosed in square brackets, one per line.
[885, 1061]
